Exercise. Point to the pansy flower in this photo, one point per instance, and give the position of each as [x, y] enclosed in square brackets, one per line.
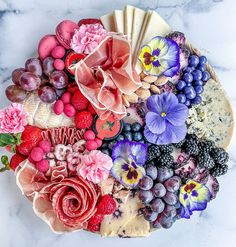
[165, 121]
[193, 197]
[161, 56]
[128, 160]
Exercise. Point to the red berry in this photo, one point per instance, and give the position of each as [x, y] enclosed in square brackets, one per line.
[83, 120]
[36, 154]
[72, 87]
[98, 141]
[91, 109]
[66, 97]
[91, 145]
[16, 159]
[79, 101]
[89, 135]
[107, 205]
[93, 228]
[69, 110]
[42, 165]
[96, 219]
[58, 107]
[45, 145]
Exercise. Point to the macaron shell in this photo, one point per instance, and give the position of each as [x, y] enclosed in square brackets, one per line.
[89, 21]
[46, 45]
[65, 31]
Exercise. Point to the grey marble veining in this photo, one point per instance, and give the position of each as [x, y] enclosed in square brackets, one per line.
[209, 25]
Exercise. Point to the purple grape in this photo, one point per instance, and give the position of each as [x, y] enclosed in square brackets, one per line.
[34, 66]
[188, 78]
[193, 60]
[166, 222]
[59, 79]
[205, 76]
[156, 224]
[60, 92]
[202, 60]
[163, 173]
[172, 184]
[190, 92]
[15, 93]
[16, 74]
[149, 215]
[201, 67]
[198, 83]
[157, 205]
[151, 171]
[47, 94]
[170, 198]
[146, 183]
[189, 69]
[182, 98]
[197, 75]
[48, 67]
[197, 100]
[145, 196]
[187, 103]
[199, 89]
[170, 211]
[159, 190]
[29, 81]
[181, 84]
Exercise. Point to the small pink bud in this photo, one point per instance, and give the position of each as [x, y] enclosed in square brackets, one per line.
[36, 154]
[69, 110]
[58, 107]
[89, 135]
[91, 145]
[66, 97]
[99, 142]
[45, 145]
[42, 165]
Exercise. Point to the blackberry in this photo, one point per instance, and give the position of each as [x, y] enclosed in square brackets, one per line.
[191, 147]
[166, 149]
[204, 160]
[180, 144]
[165, 160]
[219, 155]
[153, 152]
[206, 146]
[192, 136]
[219, 170]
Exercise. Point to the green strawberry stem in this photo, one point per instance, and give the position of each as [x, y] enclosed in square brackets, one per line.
[6, 164]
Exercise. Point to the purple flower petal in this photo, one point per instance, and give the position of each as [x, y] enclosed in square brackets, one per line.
[172, 71]
[139, 152]
[152, 138]
[177, 115]
[155, 122]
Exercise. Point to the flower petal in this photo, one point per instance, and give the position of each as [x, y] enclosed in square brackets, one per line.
[177, 115]
[155, 122]
[151, 137]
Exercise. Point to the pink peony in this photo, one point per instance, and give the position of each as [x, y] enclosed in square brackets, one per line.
[13, 119]
[95, 166]
[87, 37]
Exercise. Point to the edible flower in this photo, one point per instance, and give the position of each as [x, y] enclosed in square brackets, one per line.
[161, 56]
[128, 160]
[193, 197]
[165, 121]
[87, 37]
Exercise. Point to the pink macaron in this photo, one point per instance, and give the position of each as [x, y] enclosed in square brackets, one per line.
[46, 45]
[65, 31]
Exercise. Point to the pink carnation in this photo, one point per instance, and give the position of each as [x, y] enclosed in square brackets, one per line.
[13, 119]
[95, 166]
[87, 37]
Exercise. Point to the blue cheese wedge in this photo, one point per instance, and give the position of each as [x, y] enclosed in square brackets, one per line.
[213, 118]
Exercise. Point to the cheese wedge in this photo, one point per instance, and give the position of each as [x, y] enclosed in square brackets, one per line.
[118, 16]
[138, 21]
[108, 22]
[129, 10]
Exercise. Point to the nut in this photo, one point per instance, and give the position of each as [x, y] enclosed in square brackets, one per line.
[145, 85]
[162, 80]
[154, 89]
[142, 75]
[133, 98]
[125, 101]
[150, 78]
[143, 93]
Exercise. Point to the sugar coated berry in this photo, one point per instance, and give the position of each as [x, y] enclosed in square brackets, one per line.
[42, 165]
[45, 145]
[69, 110]
[99, 142]
[36, 154]
[58, 52]
[59, 64]
[66, 97]
[91, 145]
[89, 135]
[58, 107]
[83, 120]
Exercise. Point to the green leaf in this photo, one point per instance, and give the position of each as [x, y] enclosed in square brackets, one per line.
[7, 138]
[2, 144]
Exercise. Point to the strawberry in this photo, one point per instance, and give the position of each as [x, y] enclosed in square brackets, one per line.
[107, 205]
[16, 159]
[91, 109]
[89, 21]
[93, 228]
[29, 139]
[79, 101]
[96, 219]
[72, 87]
[83, 120]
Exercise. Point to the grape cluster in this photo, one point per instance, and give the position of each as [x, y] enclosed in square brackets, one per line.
[190, 88]
[158, 190]
[40, 76]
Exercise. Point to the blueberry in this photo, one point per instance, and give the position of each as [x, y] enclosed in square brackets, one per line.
[187, 102]
[201, 67]
[188, 69]
[136, 127]
[181, 97]
[188, 78]
[127, 127]
[197, 100]
[120, 138]
[205, 76]
[198, 83]
[137, 136]
[197, 75]
[202, 60]
[181, 84]
[193, 60]
[199, 89]
[128, 136]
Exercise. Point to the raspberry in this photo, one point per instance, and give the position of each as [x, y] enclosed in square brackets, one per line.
[79, 101]
[93, 228]
[83, 120]
[96, 219]
[107, 205]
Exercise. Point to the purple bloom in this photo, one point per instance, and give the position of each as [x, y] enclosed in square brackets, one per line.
[165, 121]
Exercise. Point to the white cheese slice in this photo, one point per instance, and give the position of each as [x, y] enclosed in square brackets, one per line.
[129, 10]
[138, 21]
[118, 16]
[108, 22]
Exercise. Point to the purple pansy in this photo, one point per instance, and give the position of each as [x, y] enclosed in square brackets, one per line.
[165, 121]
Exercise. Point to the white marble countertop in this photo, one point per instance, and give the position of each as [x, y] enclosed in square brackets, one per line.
[209, 25]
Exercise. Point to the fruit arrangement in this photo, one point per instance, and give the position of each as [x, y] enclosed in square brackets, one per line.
[101, 126]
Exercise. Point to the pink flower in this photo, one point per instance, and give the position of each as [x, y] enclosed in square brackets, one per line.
[87, 37]
[13, 119]
[95, 166]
